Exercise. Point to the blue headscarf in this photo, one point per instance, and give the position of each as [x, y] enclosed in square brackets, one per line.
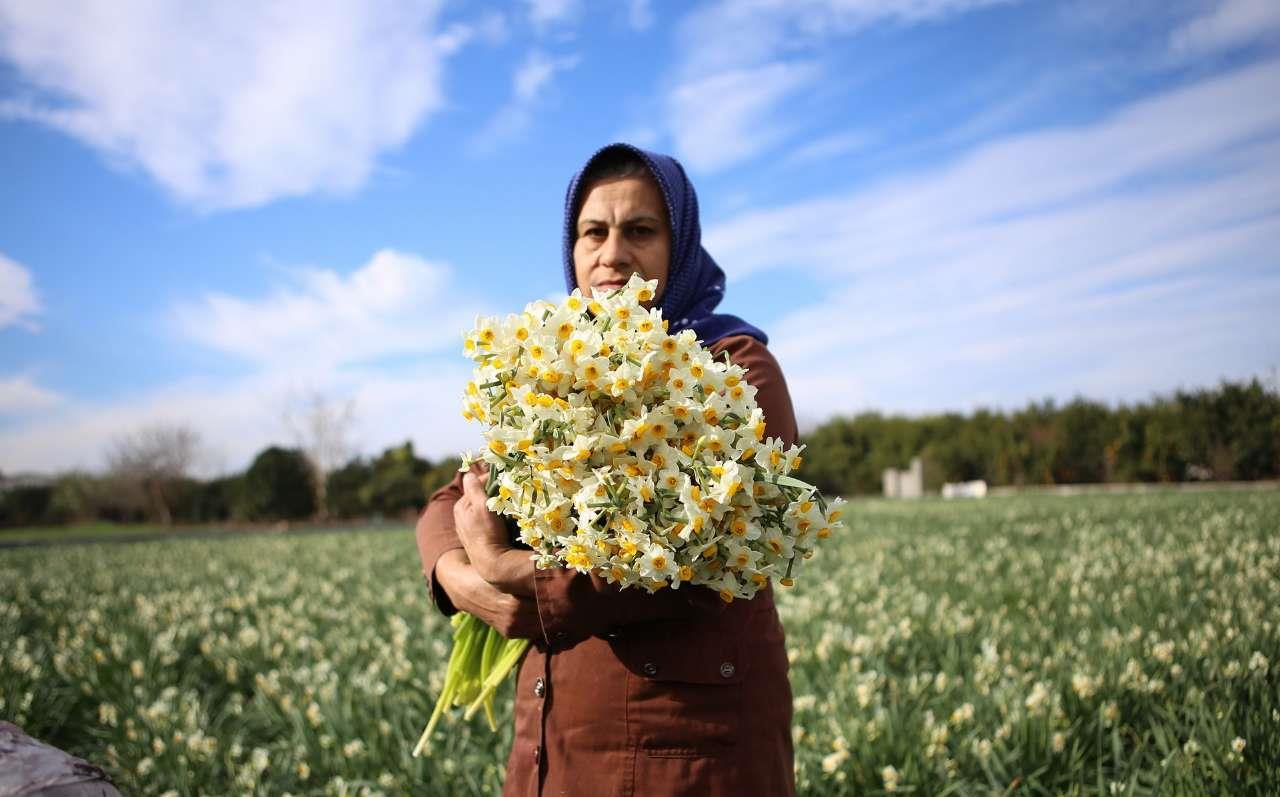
[695, 284]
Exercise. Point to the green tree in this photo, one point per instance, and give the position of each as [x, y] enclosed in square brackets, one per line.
[1229, 431]
[77, 496]
[345, 491]
[277, 486]
[395, 484]
[210, 501]
[440, 475]
[1085, 432]
[26, 505]
[151, 461]
[1036, 443]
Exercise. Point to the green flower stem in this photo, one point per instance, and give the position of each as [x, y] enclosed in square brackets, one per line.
[462, 641]
[480, 661]
[510, 651]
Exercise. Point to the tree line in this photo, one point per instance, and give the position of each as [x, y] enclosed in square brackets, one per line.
[147, 480]
[1228, 432]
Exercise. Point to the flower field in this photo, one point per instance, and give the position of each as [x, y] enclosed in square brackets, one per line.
[1030, 645]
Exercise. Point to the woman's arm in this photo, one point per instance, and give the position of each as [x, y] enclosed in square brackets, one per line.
[511, 615]
[435, 537]
[452, 581]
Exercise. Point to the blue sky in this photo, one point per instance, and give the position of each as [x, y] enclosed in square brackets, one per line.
[210, 214]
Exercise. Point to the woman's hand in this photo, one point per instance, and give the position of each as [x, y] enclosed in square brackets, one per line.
[513, 616]
[481, 531]
[484, 536]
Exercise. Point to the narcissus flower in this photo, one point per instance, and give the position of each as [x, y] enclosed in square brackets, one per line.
[652, 451]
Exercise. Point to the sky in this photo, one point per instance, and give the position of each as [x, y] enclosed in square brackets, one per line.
[213, 212]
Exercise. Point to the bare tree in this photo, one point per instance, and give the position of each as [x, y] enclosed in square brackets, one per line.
[152, 458]
[320, 425]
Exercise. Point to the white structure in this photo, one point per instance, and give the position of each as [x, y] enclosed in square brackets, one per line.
[974, 489]
[907, 483]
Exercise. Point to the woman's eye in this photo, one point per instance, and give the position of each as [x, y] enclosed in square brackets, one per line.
[642, 231]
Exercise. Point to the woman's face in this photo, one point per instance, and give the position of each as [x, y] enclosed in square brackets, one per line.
[622, 230]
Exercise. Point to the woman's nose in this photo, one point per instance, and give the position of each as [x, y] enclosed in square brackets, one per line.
[612, 251]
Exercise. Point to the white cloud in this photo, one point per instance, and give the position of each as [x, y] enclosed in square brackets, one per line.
[1226, 25]
[532, 76]
[492, 28]
[1133, 254]
[748, 32]
[19, 395]
[545, 13]
[723, 97]
[395, 304]
[386, 335]
[728, 116]
[19, 301]
[231, 105]
[236, 420]
[529, 85]
[828, 147]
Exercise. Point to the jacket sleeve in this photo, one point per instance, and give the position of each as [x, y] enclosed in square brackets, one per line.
[573, 606]
[436, 535]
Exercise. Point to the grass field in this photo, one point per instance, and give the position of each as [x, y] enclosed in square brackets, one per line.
[79, 531]
[22, 536]
[1031, 645]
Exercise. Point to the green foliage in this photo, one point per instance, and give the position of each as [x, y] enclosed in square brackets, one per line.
[277, 486]
[1030, 645]
[25, 506]
[76, 496]
[80, 497]
[394, 487]
[395, 484]
[343, 489]
[848, 456]
[210, 501]
[1228, 432]
[440, 475]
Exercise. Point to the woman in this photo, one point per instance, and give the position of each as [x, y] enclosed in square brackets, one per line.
[624, 692]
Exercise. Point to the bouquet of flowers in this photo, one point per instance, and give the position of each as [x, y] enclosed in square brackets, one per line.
[625, 452]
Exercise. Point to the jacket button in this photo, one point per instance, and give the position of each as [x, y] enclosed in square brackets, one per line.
[650, 669]
[539, 688]
[537, 753]
[727, 670]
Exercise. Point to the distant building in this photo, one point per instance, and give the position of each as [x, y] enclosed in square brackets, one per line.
[973, 489]
[907, 483]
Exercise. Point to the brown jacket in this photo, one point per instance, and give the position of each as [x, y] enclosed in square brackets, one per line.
[628, 693]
